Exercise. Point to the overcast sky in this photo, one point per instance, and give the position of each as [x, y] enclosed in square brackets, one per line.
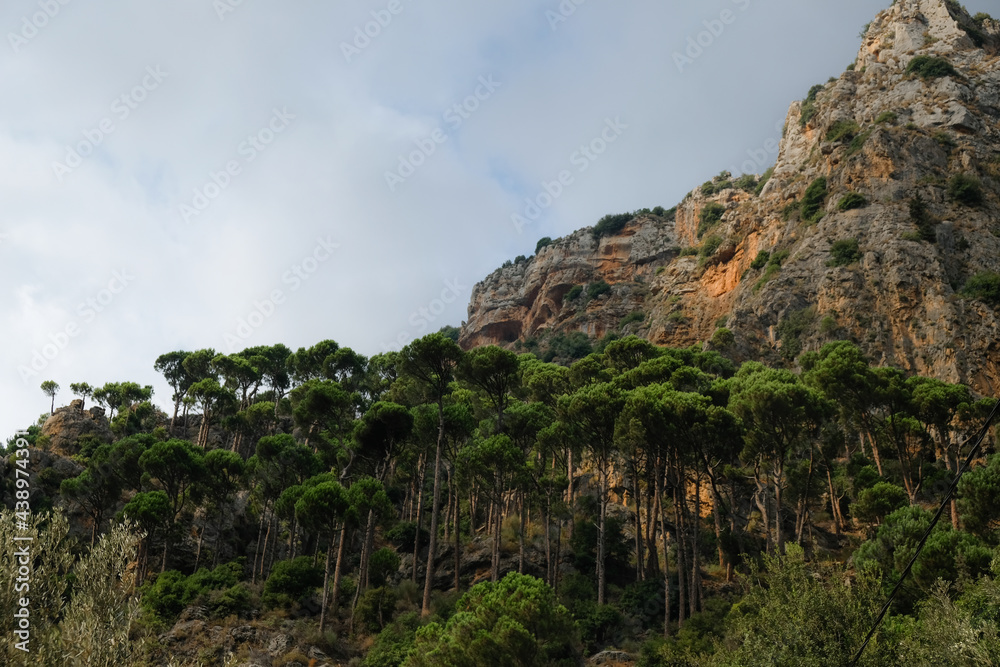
[192, 174]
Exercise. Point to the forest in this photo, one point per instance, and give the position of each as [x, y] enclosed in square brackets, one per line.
[435, 506]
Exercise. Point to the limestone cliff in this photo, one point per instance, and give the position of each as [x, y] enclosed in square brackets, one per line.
[901, 134]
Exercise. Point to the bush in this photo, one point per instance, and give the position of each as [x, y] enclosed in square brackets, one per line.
[930, 67]
[543, 243]
[925, 222]
[710, 245]
[574, 292]
[375, 607]
[965, 189]
[595, 290]
[809, 109]
[722, 338]
[636, 316]
[765, 177]
[879, 501]
[516, 621]
[844, 252]
[404, 533]
[886, 117]
[852, 200]
[291, 580]
[983, 287]
[710, 214]
[746, 182]
[843, 130]
[813, 201]
[612, 224]
[394, 642]
[381, 565]
[761, 260]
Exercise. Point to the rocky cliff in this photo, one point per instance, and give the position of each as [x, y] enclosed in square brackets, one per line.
[883, 203]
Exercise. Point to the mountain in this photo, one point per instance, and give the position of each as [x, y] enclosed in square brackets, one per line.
[879, 222]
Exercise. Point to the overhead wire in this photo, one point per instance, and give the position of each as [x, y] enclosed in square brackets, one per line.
[979, 437]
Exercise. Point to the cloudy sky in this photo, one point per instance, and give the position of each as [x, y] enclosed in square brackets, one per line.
[199, 173]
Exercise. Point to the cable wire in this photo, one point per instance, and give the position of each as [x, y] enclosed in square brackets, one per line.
[920, 545]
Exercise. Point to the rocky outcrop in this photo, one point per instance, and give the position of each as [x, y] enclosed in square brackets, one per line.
[68, 425]
[879, 131]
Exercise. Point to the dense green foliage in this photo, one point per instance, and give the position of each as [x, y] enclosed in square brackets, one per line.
[711, 213]
[851, 201]
[813, 200]
[930, 67]
[844, 252]
[328, 486]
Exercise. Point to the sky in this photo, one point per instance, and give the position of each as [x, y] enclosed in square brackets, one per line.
[229, 173]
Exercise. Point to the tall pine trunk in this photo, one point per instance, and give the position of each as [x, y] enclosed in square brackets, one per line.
[435, 511]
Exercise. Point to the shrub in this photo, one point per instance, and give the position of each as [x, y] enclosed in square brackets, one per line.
[710, 214]
[813, 200]
[965, 189]
[790, 331]
[542, 243]
[886, 117]
[944, 139]
[858, 142]
[381, 565]
[844, 252]
[763, 180]
[843, 130]
[722, 338]
[710, 245]
[852, 200]
[595, 290]
[687, 252]
[746, 182]
[375, 607]
[930, 67]
[291, 580]
[809, 109]
[637, 316]
[879, 501]
[515, 621]
[761, 260]
[983, 287]
[612, 224]
[925, 222]
[574, 292]
[393, 643]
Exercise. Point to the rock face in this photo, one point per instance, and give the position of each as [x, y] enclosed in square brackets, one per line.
[68, 425]
[879, 131]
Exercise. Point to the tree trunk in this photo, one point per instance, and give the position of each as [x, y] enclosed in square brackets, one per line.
[601, 536]
[834, 503]
[458, 540]
[666, 552]
[420, 515]
[326, 588]
[435, 511]
[337, 568]
[520, 539]
[681, 549]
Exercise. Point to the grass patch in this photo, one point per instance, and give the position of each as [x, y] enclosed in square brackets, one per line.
[595, 290]
[922, 218]
[636, 316]
[886, 117]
